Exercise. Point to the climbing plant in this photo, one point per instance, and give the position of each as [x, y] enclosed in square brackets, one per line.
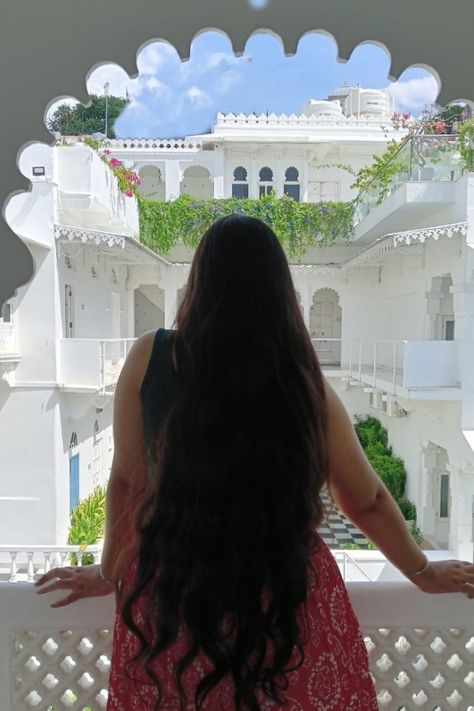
[466, 144]
[298, 226]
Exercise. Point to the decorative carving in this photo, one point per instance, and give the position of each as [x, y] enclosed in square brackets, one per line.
[66, 233]
[154, 144]
[394, 240]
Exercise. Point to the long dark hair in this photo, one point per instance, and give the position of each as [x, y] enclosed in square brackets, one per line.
[227, 533]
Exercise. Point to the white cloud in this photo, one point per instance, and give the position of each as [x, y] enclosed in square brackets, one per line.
[198, 97]
[413, 95]
[217, 58]
[156, 86]
[154, 56]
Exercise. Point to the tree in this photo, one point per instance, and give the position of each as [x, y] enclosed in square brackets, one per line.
[78, 119]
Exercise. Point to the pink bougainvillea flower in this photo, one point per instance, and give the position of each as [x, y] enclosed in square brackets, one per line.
[107, 151]
[115, 162]
[129, 193]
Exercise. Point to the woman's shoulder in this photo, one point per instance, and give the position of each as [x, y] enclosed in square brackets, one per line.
[140, 354]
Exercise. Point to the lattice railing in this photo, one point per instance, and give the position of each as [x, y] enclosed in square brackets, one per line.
[421, 649]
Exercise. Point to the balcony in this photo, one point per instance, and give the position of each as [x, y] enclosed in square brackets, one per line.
[92, 364]
[421, 647]
[425, 170]
[90, 196]
[422, 370]
[9, 352]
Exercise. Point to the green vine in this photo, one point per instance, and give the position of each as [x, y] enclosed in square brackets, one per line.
[381, 172]
[466, 145]
[299, 226]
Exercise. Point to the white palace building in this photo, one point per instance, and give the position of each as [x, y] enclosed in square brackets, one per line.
[390, 311]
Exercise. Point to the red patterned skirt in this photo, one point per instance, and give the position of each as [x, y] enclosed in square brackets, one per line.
[334, 675]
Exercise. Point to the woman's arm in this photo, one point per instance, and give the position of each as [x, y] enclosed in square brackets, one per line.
[363, 498]
[127, 479]
[128, 475]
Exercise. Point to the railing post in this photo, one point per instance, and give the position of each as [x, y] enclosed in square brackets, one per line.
[360, 360]
[394, 367]
[375, 363]
[13, 567]
[102, 365]
[30, 569]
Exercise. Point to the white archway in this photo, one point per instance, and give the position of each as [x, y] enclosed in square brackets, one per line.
[152, 184]
[440, 309]
[325, 326]
[197, 182]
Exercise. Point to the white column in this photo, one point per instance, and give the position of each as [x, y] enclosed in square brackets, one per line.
[279, 175]
[461, 529]
[219, 174]
[306, 300]
[172, 179]
[427, 511]
[253, 177]
[170, 299]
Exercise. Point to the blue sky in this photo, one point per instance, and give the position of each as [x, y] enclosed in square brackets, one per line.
[170, 98]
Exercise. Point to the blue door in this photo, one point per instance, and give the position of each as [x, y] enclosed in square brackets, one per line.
[73, 481]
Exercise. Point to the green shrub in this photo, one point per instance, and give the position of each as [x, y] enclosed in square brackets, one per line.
[392, 472]
[407, 508]
[369, 430]
[416, 533]
[87, 523]
[350, 547]
[377, 449]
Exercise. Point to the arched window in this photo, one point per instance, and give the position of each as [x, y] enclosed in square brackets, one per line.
[240, 186]
[152, 184]
[265, 185]
[197, 182]
[292, 185]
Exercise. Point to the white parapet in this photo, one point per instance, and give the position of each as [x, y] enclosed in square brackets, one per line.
[421, 648]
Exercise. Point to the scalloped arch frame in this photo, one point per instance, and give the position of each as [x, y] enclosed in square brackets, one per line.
[48, 48]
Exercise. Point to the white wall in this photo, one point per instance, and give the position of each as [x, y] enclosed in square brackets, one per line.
[28, 501]
[80, 171]
[94, 276]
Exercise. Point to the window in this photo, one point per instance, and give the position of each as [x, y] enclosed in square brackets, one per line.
[292, 186]
[240, 187]
[323, 191]
[265, 186]
[449, 329]
[6, 313]
[444, 496]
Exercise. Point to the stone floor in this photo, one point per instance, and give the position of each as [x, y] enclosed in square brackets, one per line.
[336, 530]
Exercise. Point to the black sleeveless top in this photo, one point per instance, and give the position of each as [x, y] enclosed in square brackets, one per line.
[159, 387]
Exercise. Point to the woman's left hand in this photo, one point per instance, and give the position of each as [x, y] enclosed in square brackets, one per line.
[80, 581]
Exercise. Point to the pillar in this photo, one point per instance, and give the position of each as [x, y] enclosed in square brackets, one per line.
[462, 513]
[172, 179]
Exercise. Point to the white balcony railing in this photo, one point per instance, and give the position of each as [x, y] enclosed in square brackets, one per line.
[92, 363]
[393, 366]
[22, 563]
[421, 648]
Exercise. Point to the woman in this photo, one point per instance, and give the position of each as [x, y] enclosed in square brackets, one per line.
[226, 431]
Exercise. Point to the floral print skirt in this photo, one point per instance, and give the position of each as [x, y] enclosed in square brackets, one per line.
[334, 675]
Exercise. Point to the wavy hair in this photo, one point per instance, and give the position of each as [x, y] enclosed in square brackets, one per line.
[227, 534]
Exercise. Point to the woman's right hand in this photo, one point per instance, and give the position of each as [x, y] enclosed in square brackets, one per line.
[445, 576]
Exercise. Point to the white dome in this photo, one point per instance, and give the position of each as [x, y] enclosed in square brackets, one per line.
[369, 102]
[316, 107]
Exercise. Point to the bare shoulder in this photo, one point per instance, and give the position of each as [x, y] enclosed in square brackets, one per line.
[138, 358]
